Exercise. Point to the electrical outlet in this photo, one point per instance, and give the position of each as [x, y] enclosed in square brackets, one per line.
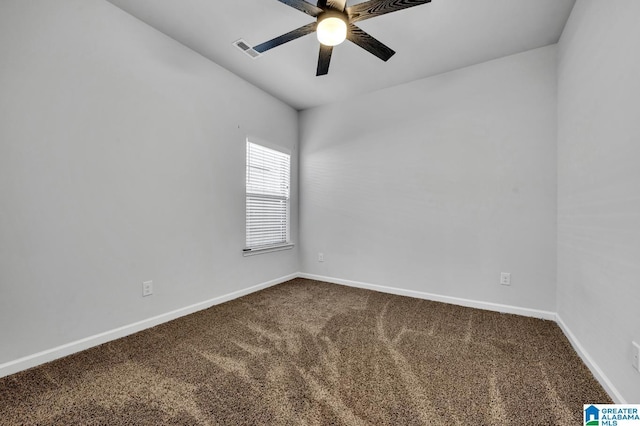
[505, 278]
[320, 257]
[636, 356]
[147, 288]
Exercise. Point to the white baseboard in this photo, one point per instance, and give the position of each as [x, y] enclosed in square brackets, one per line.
[39, 358]
[595, 369]
[507, 309]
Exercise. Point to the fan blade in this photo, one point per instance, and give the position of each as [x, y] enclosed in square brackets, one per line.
[369, 43]
[324, 59]
[284, 38]
[373, 8]
[303, 6]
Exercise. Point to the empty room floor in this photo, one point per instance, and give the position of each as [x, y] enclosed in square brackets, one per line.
[308, 352]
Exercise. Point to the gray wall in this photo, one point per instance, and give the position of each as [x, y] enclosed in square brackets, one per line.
[122, 159]
[599, 185]
[438, 185]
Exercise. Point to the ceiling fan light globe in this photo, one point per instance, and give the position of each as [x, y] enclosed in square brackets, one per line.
[332, 31]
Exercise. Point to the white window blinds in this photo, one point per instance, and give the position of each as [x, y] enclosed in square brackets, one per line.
[267, 220]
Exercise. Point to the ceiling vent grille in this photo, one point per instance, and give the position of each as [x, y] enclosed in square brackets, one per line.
[242, 45]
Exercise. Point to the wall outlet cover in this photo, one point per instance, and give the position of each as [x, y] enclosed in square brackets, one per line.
[147, 288]
[505, 278]
[636, 355]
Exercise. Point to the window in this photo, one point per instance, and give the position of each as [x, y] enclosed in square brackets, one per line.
[267, 220]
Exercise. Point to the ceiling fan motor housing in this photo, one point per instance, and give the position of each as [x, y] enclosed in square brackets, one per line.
[333, 13]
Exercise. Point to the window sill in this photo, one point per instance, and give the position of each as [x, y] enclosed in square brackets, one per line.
[269, 249]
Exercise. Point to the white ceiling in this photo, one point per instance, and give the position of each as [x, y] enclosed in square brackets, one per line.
[429, 39]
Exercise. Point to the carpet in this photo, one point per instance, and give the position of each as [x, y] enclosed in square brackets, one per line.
[311, 353]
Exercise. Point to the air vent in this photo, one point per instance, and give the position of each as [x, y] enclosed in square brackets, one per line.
[242, 45]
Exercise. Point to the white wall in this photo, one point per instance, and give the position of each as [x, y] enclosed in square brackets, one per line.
[599, 185]
[122, 159]
[438, 185]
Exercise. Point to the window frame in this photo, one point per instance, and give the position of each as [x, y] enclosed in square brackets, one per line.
[287, 244]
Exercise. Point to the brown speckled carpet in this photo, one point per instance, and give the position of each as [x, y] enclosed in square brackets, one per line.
[311, 353]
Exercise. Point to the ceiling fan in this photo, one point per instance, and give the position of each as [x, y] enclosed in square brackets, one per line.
[335, 22]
